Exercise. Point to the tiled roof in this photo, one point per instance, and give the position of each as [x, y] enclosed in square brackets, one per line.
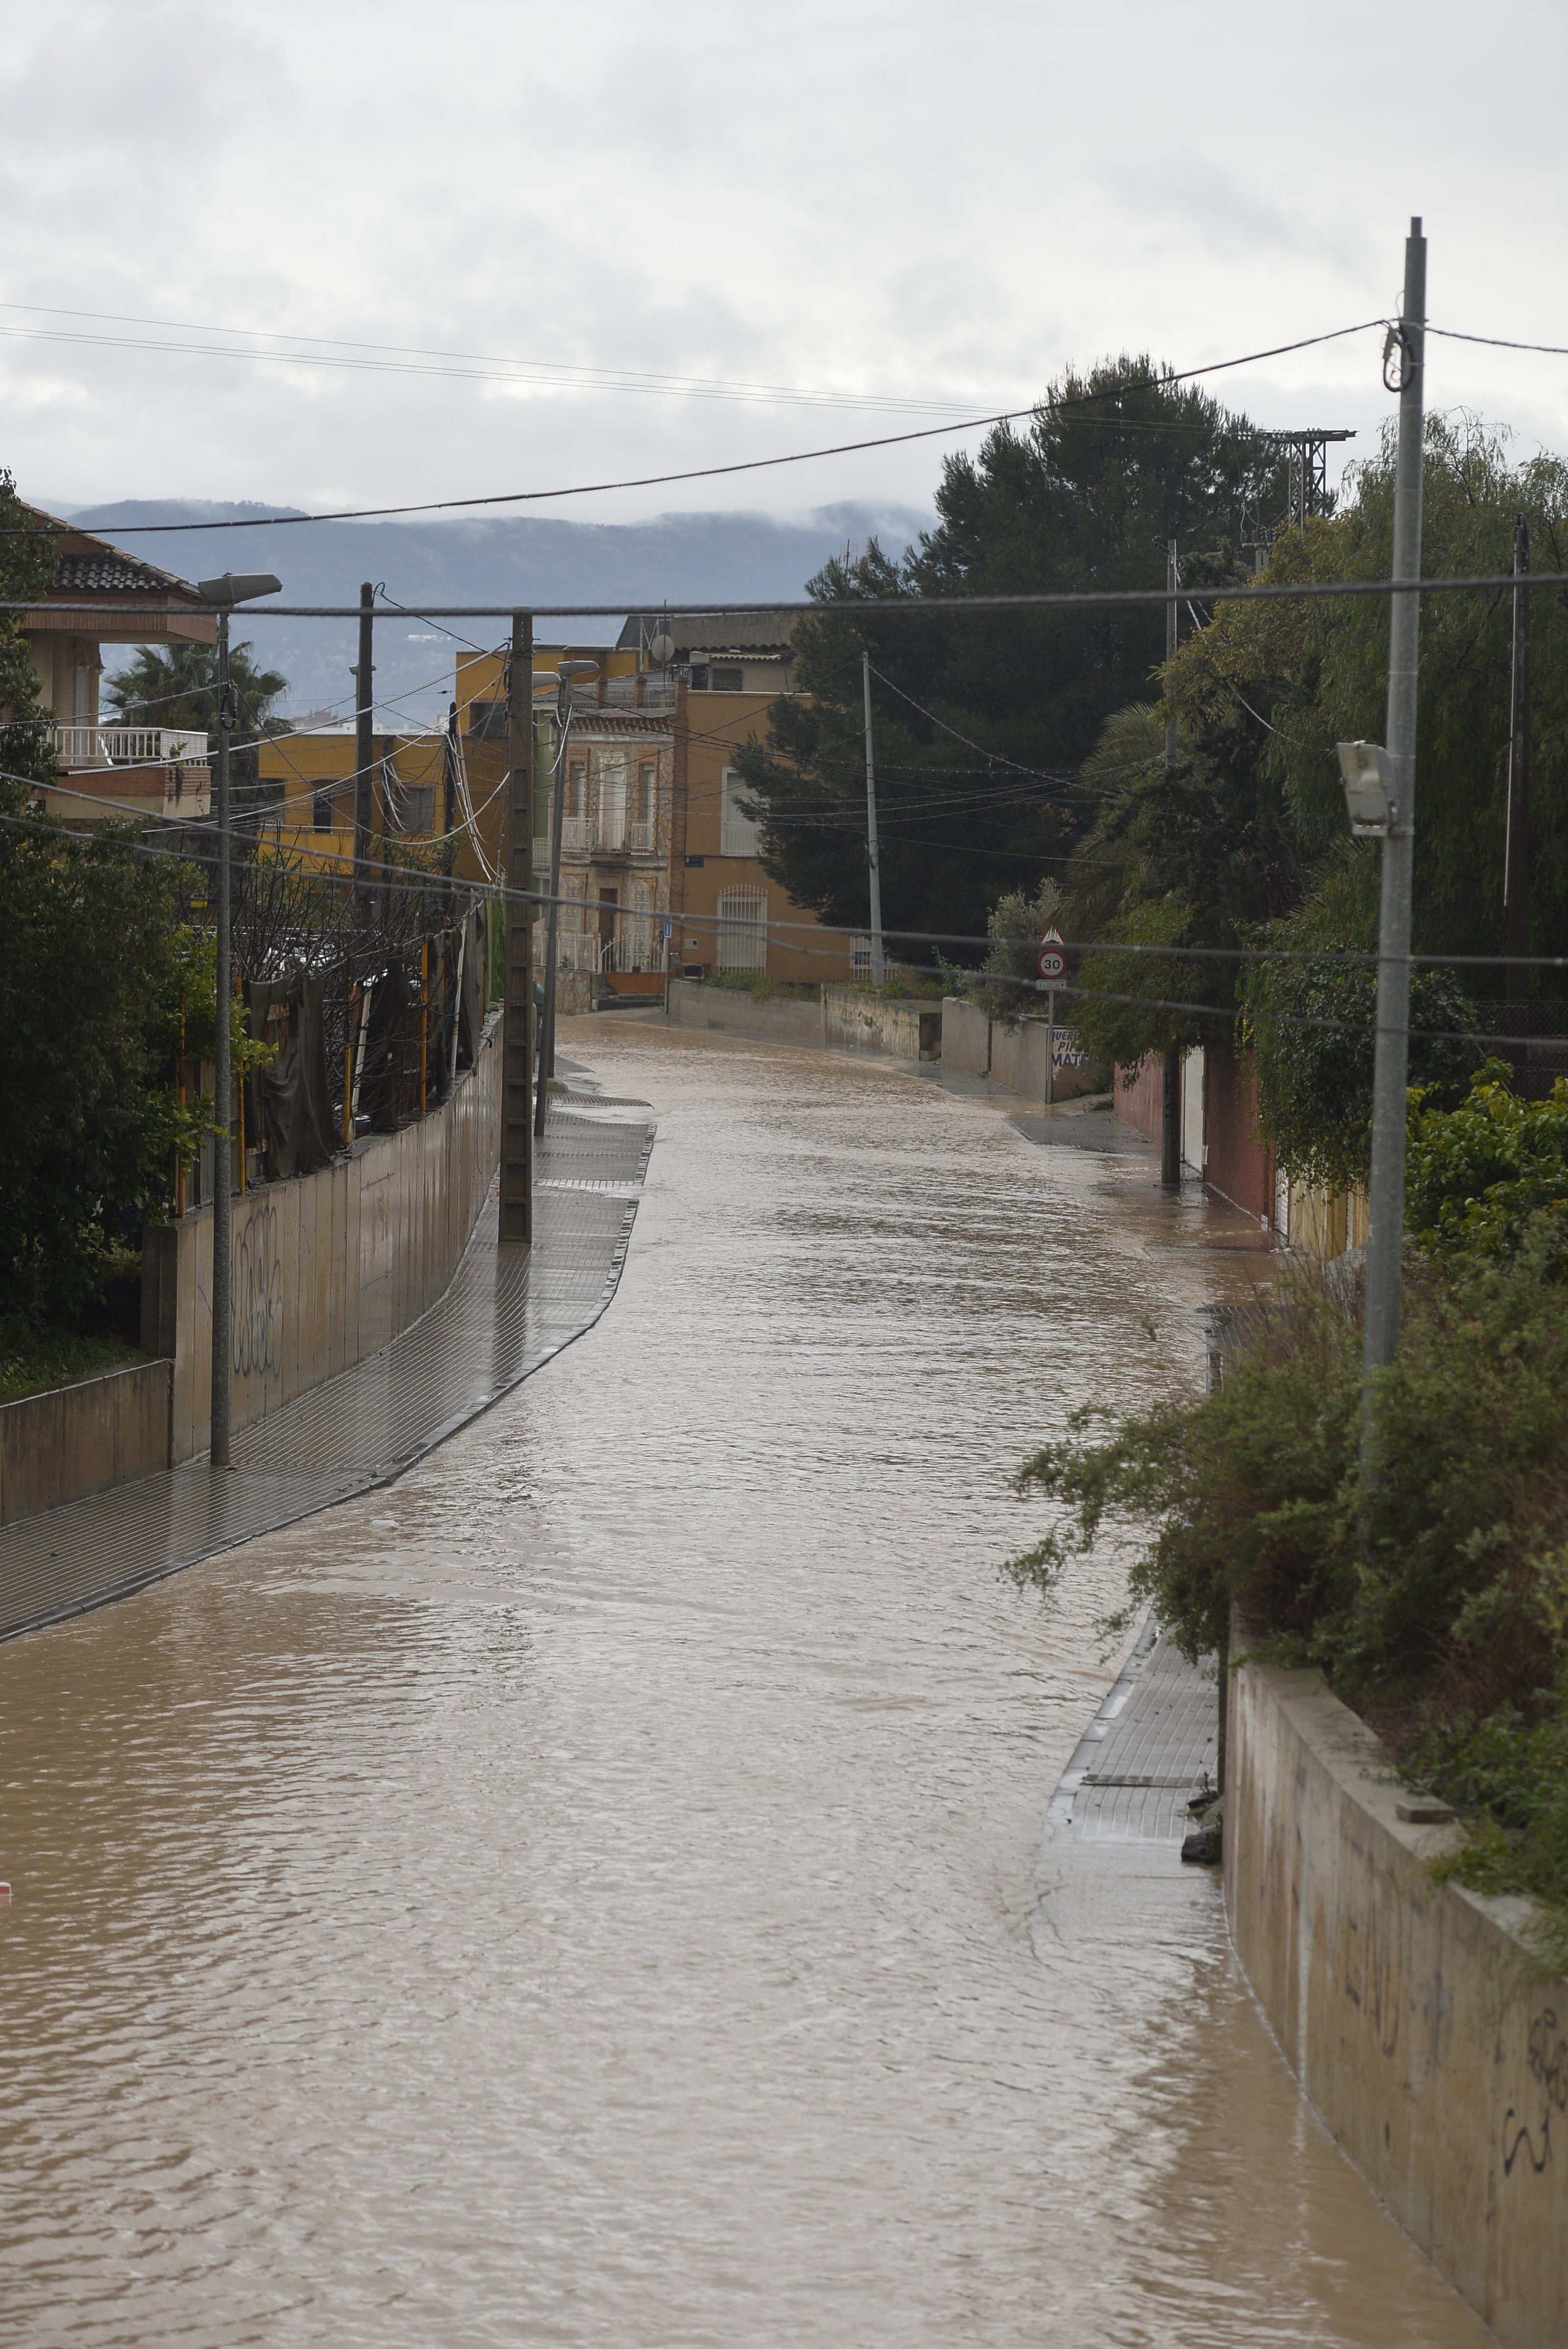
[92, 566]
[84, 574]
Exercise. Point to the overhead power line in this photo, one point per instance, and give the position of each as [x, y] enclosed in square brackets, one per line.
[1500, 342]
[412, 358]
[1064, 599]
[747, 464]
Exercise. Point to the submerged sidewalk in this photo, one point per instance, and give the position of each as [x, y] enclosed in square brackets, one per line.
[506, 1311]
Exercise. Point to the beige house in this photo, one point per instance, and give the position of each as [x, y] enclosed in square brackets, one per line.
[728, 915]
[100, 595]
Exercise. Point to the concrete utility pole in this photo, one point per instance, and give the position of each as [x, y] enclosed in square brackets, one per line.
[518, 1029]
[1171, 1073]
[1516, 850]
[225, 593]
[364, 755]
[879, 967]
[1386, 1233]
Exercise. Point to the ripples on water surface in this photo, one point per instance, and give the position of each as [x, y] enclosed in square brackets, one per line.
[590, 1893]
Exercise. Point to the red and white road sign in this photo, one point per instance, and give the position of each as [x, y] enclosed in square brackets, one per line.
[1052, 961]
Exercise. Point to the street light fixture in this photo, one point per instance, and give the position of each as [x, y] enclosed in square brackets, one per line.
[561, 678]
[224, 593]
[1367, 773]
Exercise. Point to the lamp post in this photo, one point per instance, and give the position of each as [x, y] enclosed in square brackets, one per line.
[562, 678]
[224, 592]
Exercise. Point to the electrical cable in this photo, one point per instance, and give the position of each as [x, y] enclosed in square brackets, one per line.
[543, 374]
[1063, 599]
[346, 868]
[749, 927]
[1500, 342]
[713, 472]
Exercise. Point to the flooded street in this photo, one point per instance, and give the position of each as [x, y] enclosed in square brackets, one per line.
[592, 1891]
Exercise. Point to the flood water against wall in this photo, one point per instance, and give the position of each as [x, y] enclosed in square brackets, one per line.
[592, 1891]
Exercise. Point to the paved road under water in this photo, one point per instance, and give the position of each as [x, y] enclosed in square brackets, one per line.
[592, 1893]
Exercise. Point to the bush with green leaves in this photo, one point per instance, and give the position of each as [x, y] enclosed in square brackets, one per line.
[1434, 1594]
[1004, 987]
[1483, 1176]
[1311, 1026]
[95, 970]
[28, 556]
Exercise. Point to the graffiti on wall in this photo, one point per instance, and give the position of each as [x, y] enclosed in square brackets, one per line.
[255, 1298]
[1548, 2058]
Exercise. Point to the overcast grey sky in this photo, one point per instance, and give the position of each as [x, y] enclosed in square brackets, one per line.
[914, 202]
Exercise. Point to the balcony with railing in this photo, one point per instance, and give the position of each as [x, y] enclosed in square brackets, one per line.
[130, 746]
[608, 835]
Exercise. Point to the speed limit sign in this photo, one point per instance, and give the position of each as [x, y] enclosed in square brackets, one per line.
[1052, 961]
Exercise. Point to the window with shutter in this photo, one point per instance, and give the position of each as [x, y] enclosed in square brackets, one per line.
[738, 834]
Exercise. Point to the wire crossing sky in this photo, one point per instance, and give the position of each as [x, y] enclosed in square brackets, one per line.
[254, 257]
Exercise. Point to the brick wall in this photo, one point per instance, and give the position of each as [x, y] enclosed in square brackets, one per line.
[1141, 1102]
[1238, 1166]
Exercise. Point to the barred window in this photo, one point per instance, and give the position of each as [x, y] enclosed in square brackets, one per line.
[742, 929]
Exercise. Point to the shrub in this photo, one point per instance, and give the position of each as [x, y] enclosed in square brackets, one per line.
[91, 983]
[1435, 1596]
[1004, 985]
[1480, 1176]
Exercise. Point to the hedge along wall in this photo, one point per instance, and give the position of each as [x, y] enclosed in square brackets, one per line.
[1407, 2009]
[326, 1268]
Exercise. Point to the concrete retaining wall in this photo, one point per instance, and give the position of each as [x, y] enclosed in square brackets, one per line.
[1405, 2007]
[966, 1037]
[1015, 1057]
[784, 1019]
[75, 1440]
[853, 1021]
[326, 1268]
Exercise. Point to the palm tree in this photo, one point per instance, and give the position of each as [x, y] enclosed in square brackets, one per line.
[178, 685]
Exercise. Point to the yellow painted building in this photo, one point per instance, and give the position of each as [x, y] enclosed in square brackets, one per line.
[729, 915]
[312, 770]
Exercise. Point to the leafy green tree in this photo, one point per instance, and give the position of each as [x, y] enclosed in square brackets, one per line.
[1244, 843]
[95, 970]
[1189, 855]
[28, 558]
[981, 722]
[1295, 679]
[1312, 1026]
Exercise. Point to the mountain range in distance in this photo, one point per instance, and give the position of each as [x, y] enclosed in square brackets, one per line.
[523, 562]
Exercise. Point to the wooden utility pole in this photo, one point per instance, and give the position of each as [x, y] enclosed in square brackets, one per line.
[364, 755]
[449, 802]
[517, 1019]
[1516, 850]
[874, 870]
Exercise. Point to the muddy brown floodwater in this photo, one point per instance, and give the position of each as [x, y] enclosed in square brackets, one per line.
[591, 1891]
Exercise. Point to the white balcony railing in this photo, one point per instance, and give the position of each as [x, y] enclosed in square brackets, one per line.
[580, 836]
[130, 746]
